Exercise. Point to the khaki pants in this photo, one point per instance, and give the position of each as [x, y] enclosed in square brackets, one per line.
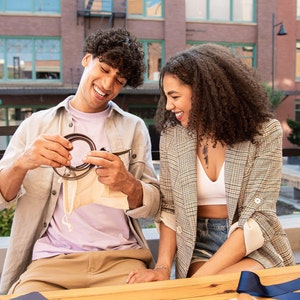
[81, 270]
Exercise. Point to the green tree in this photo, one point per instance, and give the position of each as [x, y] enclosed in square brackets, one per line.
[294, 136]
[6, 218]
[276, 96]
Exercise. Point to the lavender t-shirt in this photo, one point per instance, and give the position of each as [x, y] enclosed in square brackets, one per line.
[94, 226]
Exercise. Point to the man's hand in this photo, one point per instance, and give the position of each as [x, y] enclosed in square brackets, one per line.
[111, 171]
[47, 150]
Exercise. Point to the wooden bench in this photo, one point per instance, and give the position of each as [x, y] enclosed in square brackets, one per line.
[7, 131]
[1, 153]
[291, 172]
[291, 176]
[210, 287]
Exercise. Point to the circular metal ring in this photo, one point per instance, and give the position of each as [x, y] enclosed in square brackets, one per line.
[86, 167]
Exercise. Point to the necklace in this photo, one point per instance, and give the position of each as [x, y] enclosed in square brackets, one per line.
[205, 154]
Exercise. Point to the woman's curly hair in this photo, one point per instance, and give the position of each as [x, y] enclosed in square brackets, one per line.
[119, 49]
[229, 102]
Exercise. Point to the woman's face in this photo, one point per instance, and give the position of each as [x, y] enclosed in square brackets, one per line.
[179, 98]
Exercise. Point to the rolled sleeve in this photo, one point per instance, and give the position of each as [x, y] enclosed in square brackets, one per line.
[263, 182]
[252, 235]
[168, 219]
[5, 204]
[150, 202]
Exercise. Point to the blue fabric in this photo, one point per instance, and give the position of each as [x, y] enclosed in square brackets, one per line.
[250, 283]
[211, 234]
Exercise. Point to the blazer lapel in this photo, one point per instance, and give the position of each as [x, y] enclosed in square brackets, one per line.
[235, 162]
[187, 176]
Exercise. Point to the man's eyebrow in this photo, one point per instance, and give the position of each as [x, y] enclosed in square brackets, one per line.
[121, 75]
[111, 66]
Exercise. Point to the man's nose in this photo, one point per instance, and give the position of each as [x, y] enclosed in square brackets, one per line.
[108, 83]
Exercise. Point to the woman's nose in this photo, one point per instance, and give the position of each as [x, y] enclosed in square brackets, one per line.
[169, 105]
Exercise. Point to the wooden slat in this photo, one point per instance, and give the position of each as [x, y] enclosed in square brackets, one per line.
[8, 130]
[291, 151]
[221, 287]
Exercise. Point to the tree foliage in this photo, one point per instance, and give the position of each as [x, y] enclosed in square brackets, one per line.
[276, 96]
[294, 136]
[6, 218]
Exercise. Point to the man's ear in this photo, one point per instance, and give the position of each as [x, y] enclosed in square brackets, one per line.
[85, 60]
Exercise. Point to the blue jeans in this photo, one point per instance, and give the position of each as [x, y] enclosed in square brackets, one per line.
[211, 234]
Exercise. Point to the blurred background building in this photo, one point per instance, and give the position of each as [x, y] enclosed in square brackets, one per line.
[41, 47]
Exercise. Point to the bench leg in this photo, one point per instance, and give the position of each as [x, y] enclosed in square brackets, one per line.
[297, 195]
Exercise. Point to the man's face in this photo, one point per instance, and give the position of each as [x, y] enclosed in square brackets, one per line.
[99, 84]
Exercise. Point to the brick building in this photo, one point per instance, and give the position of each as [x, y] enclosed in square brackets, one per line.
[41, 46]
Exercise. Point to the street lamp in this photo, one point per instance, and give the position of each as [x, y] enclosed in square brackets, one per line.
[280, 32]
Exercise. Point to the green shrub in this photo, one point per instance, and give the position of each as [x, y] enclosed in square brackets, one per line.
[6, 218]
[276, 97]
[294, 136]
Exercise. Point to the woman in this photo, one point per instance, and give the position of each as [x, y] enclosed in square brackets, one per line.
[221, 156]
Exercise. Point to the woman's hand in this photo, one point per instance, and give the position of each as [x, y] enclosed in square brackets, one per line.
[147, 275]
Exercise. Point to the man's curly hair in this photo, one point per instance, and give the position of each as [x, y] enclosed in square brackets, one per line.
[229, 102]
[120, 49]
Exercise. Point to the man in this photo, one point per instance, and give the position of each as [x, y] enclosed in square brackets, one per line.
[56, 244]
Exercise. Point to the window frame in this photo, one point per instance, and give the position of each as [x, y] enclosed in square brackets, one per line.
[297, 110]
[10, 110]
[231, 14]
[144, 11]
[232, 46]
[298, 10]
[33, 60]
[32, 10]
[297, 60]
[146, 58]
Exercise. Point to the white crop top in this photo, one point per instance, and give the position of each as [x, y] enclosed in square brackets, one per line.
[210, 192]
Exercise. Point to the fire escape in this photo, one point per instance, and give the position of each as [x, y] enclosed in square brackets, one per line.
[105, 10]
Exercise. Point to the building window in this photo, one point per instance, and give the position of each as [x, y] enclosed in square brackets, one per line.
[31, 6]
[1, 59]
[298, 60]
[221, 11]
[153, 59]
[247, 53]
[297, 110]
[14, 115]
[30, 59]
[298, 9]
[145, 8]
[99, 6]
[147, 113]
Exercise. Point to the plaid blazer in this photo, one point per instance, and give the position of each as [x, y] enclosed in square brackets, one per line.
[252, 183]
